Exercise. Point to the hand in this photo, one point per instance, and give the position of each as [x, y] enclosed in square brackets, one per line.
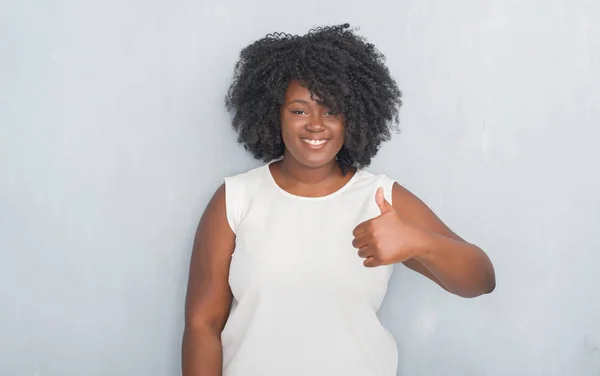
[388, 238]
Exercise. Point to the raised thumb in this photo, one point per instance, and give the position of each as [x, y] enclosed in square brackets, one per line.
[384, 206]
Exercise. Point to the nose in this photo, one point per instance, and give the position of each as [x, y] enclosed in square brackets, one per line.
[315, 124]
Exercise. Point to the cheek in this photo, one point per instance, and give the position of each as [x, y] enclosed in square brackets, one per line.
[289, 135]
[339, 132]
[287, 131]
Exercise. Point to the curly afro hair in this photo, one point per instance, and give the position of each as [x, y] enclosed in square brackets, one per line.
[345, 72]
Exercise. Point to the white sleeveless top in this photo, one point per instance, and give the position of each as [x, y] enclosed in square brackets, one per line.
[304, 304]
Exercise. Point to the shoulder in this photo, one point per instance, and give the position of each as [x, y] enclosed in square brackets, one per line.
[369, 177]
[248, 176]
[395, 192]
[248, 181]
[375, 181]
[402, 199]
[239, 191]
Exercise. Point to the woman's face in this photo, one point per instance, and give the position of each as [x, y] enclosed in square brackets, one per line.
[312, 134]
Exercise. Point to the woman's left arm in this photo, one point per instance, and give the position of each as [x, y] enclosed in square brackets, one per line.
[460, 267]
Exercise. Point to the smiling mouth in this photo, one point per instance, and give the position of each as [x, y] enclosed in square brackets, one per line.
[314, 142]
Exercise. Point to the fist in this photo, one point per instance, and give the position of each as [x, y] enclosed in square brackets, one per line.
[387, 238]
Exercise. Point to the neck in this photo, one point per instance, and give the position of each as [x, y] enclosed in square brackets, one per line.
[293, 170]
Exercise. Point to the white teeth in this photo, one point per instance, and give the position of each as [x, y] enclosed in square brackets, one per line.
[314, 142]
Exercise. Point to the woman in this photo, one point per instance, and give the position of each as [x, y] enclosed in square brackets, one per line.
[291, 260]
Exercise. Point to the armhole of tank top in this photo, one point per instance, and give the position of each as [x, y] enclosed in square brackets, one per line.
[231, 203]
[387, 184]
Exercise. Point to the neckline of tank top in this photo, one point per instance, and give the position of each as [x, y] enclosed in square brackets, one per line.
[272, 181]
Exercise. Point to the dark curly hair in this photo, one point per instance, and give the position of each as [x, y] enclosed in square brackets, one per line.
[345, 72]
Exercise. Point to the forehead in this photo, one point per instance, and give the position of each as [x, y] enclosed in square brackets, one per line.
[297, 90]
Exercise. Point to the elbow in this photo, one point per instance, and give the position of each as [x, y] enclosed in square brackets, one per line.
[487, 286]
[487, 280]
[200, 323]
[481, 286]
[491, 285]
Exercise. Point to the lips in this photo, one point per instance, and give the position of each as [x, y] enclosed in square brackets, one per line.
[315, 142]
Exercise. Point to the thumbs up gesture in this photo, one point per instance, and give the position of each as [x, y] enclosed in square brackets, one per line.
[387, 238]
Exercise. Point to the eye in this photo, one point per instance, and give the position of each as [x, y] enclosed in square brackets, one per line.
[298, 112]
[331, 113]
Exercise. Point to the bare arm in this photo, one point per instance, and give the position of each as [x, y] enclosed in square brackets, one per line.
[208, 294]
[459, 267]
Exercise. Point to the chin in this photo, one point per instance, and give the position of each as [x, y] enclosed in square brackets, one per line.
[317, 164]
[315, 160]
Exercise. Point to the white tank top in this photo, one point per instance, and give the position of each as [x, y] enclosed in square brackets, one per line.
[304, 304]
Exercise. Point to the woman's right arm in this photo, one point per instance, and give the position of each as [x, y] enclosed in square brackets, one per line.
[208, 297]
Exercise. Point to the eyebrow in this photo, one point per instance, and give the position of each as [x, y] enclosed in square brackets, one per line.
[298, 101]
